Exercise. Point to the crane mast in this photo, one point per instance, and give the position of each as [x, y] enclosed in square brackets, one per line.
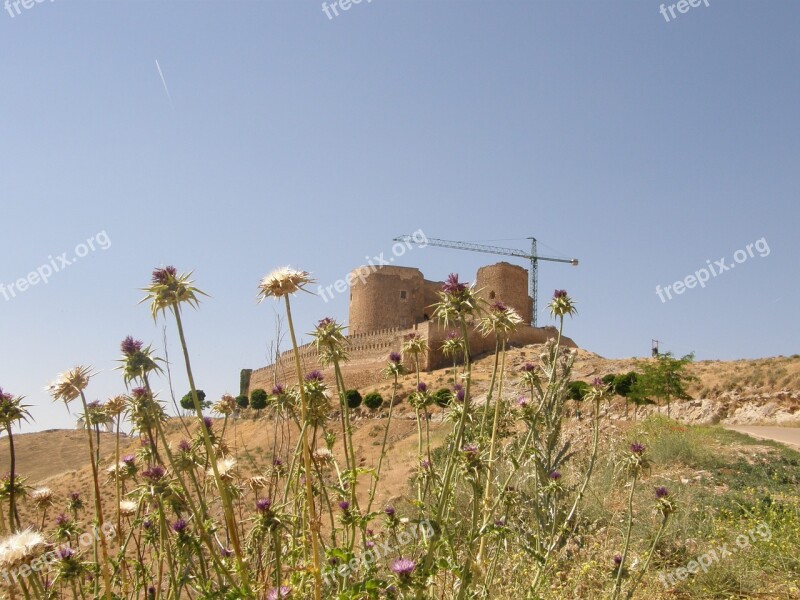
[533, 275]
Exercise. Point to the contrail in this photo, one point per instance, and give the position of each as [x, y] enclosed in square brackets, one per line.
[164, 81]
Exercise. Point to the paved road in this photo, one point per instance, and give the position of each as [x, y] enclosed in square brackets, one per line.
[786, 435]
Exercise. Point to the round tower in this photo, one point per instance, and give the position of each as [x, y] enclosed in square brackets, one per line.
[385, 296]
[507, 283]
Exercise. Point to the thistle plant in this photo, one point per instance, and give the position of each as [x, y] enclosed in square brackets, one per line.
[12, 413]
[169, 291]
[68, 387]
[454, 345]
[282, 283]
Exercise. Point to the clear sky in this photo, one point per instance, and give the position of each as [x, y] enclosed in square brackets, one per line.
[640, 145]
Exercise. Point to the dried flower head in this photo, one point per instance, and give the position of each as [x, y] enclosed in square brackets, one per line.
[127, 508]
[283, 281]
[21, 547]
[69, 385]
[42, 497]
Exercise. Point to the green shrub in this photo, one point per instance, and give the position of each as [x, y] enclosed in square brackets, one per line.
[187, 402]
[258, 399]
[577, 390]
[353, 398]
[242, 401]
[373, 400]
[443, 396]
[623, 383]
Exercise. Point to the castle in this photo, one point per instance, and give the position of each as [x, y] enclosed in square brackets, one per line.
[389, 302]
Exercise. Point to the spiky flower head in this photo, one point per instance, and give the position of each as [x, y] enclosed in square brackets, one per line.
[453, 344]
[395, 357]
[42, 497]
[661, 492]
[314, 376]
[127, 508]
[21, 547]
[330, 341]
[168, 290]
[116, 405]
[12, 410]
[137, 360]
[456, 301]
[414, 345]
[562, 304]
[283, 281]
[395, 368]
[225, 405]
[637, 448]
[282, 593]
[501, 320]
[69, 385]
[226, 469]
[403, 567]
[263, 505]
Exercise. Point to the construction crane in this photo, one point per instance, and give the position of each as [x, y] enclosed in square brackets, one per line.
[533, 276]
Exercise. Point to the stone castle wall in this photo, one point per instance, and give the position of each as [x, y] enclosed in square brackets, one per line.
[389, 302]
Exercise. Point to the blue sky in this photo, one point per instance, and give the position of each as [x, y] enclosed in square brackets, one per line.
[642, 147]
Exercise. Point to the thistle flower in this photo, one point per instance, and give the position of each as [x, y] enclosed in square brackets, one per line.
[20, 548]
[314, 376]
[344, 506]
[322, 455]
[562, 304]
[661, 492]
[184, 446]
[263, 505]
[180, 526]
[69, 385]
[74, 501]
[470, 451]
[555, 475]
[395, 357]
[283, 281]
[282, 593]
[422, 387]
[42, 497]
[456, 301]
[226, 469]
[637, 448]
[130, 346]
[116, 405]
[127, 508]
[154, 474]
[501, 320]
[225, 405]
[330, 341]
[403, 568]
[169, 290]
[389, 510]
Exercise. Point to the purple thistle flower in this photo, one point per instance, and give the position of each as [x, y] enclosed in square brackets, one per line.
[470, 450]
[522, 402]
[62, 519]
[179, 526]
[422, 387]
[344, 505]
[403, 567]
[130, 346]
[263, 505]
[138, 393]
[208, 422]
[369, 544]
[661, 492]
[282, 593]
[559, 294]
[325, 323]
[528, 367]
[277, 462]
[460, 395]
[184, 446]
[313, 376]
[278, 390]
[617, 560]
[457, 387]
[637, 448]
[395, 357]
[452, 335]
[162, 276]
[389, 510]
[425, 464]
[74, 496]
[452, 285]
[147, 524]
[128, 460]
[65, 553]
[597, 382]
[499, 306]
[154, 474]
[555, 475]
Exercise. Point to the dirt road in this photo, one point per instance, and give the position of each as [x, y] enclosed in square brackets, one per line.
[786, 435]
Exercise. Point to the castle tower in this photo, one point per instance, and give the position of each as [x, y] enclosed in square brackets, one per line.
[507, 283]
[386, 296]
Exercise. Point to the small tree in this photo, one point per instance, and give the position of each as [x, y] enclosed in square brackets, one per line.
[664, 378]
[187, 403]
[353, 398]
[623, 384]
[242, 402]
[258, 400]
[577, 390]
[373, 400]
